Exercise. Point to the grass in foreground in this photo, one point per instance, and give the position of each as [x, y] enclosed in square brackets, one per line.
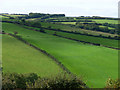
[96, 64]
[21, 58]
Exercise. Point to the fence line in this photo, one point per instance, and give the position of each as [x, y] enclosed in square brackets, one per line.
[43, 51]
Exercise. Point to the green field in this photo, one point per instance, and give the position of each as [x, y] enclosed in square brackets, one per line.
[95, 64]
[14, 15]
[98, 40]
[105, 21]
[108, 27]
[73, 23]
[3, 16]
[21, 58]
[69, 23]
[68, 28]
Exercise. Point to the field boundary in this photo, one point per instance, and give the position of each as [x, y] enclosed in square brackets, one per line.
[95, 44]
[18, 23]
[43, 51]
[85, 42]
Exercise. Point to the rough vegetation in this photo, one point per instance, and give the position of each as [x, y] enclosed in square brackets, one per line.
[32, 80]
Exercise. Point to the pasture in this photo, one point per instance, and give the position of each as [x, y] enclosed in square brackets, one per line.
[105, 21]
[21, 58]
[98, 40]
[94, 63]
[3, 16]
[74, 29]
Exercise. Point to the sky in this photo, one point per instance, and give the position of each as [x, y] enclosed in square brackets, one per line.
[106, 8]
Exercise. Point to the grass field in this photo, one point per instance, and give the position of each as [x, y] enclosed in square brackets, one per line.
[102, 41]
[108, 27]
[95, 64]
[69, 23]
[3, 16]
[73, 23]
[21, 58]
[15, 15]
[105, 21]
[68, 28]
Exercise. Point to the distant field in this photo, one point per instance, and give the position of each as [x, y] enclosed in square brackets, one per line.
[69, 23]
[102, 41]
[99, 40]
[32, 19]
[95, 64]
[73, 23]
[105, 21]
[108, 27]
[21, 58]
[3, 16]
[15, 15]
[68, 28]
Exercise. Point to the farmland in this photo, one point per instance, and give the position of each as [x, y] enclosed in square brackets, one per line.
[94, 63]
[74, 29]
[21, 58]
[102, 41]
[105, 21]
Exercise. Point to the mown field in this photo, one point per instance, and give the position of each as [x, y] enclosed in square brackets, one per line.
[94, 63]
[21, 58]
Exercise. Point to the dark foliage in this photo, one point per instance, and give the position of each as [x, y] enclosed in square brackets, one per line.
[32, 80]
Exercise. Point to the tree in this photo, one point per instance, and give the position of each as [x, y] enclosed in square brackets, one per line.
[36, 24]
[55, 33]
[49, 27]
[42, 30]
[23, 20]
[15, 33]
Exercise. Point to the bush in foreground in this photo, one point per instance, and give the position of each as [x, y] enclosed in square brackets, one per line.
[113, 83]
[32, 80]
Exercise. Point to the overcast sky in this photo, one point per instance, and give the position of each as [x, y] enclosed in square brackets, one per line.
[108, 8]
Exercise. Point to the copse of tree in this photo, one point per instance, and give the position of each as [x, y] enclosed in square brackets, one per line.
[36, 15]
[95, 27]
[33, 24]
[36, 24]
[44, 16]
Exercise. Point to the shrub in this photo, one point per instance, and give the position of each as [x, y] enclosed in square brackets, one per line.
[112, 83]
[15, 33]
[42, 30]
[32, 80]
[68, 82]
[55, 33]
[14, 80]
